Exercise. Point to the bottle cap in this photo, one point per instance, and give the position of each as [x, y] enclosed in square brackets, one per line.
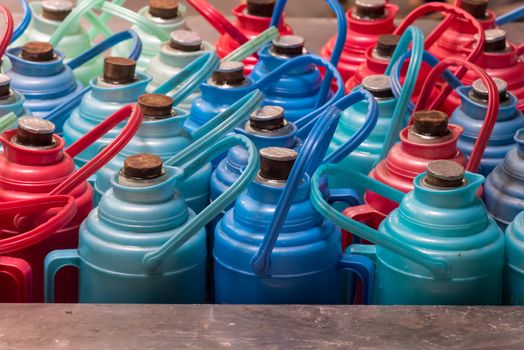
[165, 9]
[185, 40]
[268, 118]
[495, 40]
[378, 85]
[276, 162]
[430, 123]
[476, 8]
[229, 73]
[387, 44]
[288, 45]
[119, 70]
[37, 51]
[156, 106]
[444, 174]
[261, 8]
[370, 9]
[142, 167]
[56, 10]
[5, 85]
[480, 91]
[34, 132]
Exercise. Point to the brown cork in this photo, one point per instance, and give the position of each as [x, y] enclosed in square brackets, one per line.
[444, 174]
[230, 73]
[370, 9]
[387, 44]
[185, 40]
[156, 105]
[378, 85]
[34, 132]
[261, 8]
[37, 51]
[476, 8]
[268, 118]
[480, 91]
[142, 167]
[430, 123]
[5, 84]
[495, 40]
[56, 10]
[276, 162]
[288, 45]
[165, 9]
[119, 70]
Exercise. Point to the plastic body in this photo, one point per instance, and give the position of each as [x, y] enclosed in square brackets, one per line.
[361, 35]
[439, 247]
[513, 290]
[45, 85]
[470, 116]
[151, 43]
[503, 191]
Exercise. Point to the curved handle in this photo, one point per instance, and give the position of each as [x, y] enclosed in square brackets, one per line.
[363, 213]
[6, 121]
[252, 46]
[491, 113]
[437, 265]
[311, 156]
[20, 271]
[217, 127]
[134, 115]
[153, 259]
[415, 36]
[54, 262]
[31, 207]
[101, 23]
[511, 16]
[218, 21]
[365, 270]
[7, 33]
[26, 20]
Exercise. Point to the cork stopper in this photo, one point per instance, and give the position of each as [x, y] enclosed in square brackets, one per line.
[370, 9]
[37, 51]
[229, 73]
[156, 106]
[495, 40]
[444, 174]
[268, 118]
[476, 8]
[119, 70]
[34, 132]
[261, 8]
[480, 92]
[164, 9]
[430, 123]
[56, 10]
[276, 163]
[5, 85]
[185, 40]
[386, 45]
[288, 45]
[142, 167]
[378, 85]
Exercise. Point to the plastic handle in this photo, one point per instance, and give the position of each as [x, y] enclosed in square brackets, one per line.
[20, 272]
[311, 156]
[217, 127]
[7, 33]
[437, 265]
[152, 259]
[134, 115]
[491, 113]
[442, 26]
[252, 46]
[103, 19]
[218, 21]
[54, 262]
[511, 16]
[7, 120]
[415, 36]
[455, 11]
[36, 206]
[363, 267]
[26, 20]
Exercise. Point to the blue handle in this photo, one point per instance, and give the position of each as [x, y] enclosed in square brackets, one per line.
[311, 156]
[428, 58]
[72, 102]
[54, 262]
[363, 267]
[22, 26]
[511, 16]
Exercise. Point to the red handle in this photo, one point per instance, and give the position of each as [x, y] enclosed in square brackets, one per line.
[493, 104]
[364, 214]
[8, 30]
[20, 271]
[217, 20]
[131, 111]
[520, 49]
[29, 207]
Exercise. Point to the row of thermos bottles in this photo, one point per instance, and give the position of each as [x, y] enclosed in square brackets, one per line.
[387, 170]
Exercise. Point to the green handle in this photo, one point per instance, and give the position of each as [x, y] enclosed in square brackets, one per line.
[7, 120]
[437, 265]
[252, 45]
